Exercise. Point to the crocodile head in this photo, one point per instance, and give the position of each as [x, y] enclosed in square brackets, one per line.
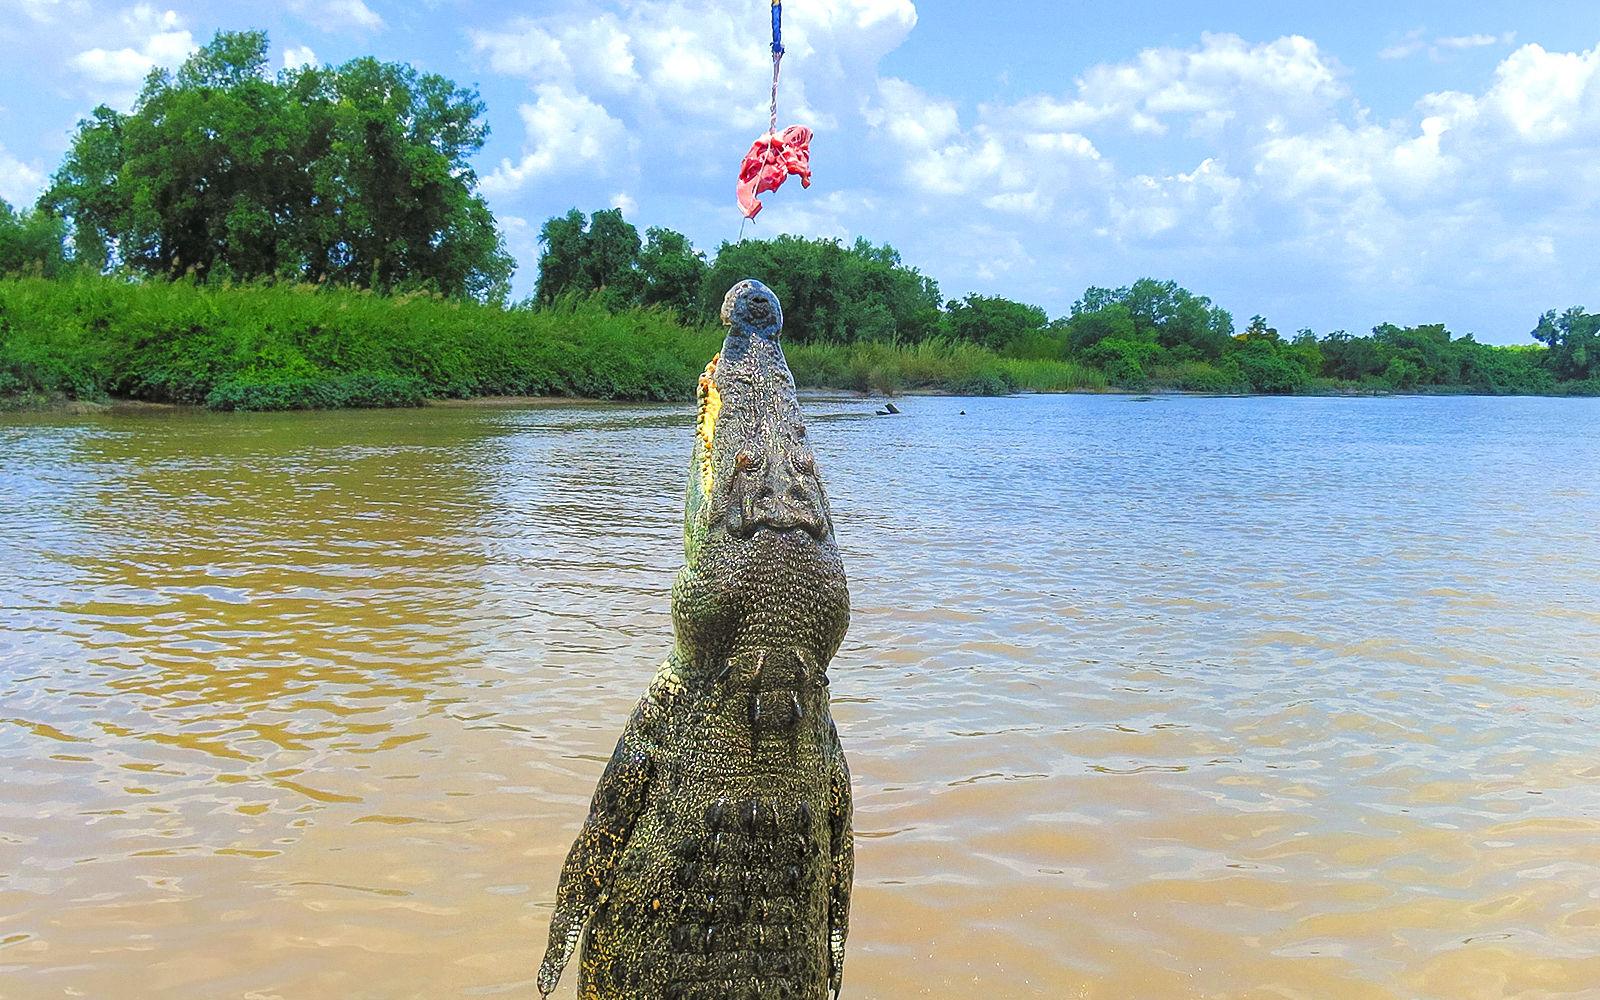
[759, 547]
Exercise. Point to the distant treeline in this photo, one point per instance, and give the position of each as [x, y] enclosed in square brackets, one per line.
[1151, 334]
[315, 238]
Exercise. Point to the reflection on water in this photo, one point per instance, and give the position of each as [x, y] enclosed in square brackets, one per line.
[1144, 699]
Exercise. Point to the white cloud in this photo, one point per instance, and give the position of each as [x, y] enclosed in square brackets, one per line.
[1436, 49]
[338, 16]
[1223, 78]
[566, 133]
[297, 57]
[1469, 189]
[51, 13]
[1466, 41]
[1543, 96]
[165, 43]
[1255, 152]
[630, 208]
[1035, 160]
[687, 78]
[20, 182]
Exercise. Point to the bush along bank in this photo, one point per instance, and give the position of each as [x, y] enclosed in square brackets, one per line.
[1392, 360]
[273, 347]
[296, 346]
[288, 346]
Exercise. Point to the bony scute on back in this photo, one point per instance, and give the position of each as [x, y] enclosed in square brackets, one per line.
[717, 858]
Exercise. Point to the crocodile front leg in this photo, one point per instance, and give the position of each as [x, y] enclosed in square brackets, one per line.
[842, 870]
[592, 863]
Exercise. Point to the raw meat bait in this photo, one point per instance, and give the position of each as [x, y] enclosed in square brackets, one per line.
[776, 155]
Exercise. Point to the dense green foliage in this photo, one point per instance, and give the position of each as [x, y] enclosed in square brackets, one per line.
[356, 174]
[304, 347]
[1392, 359]
[1152, 312]
[831, 293]
[301, 346]
[1574, 342]
[936, 364]
[288, 346]
[31, 242]
[603, 254]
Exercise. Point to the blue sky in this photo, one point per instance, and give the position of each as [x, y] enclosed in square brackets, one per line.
[1329, 166]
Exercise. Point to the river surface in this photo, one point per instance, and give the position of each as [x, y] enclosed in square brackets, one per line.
[1145, 699]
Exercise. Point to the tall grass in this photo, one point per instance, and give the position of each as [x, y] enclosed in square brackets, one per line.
[935, 364]
[297, 346]
[286, 346]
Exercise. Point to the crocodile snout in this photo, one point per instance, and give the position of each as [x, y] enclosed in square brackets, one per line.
[778, 491]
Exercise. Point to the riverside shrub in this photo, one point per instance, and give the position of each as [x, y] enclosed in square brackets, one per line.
[285, 346]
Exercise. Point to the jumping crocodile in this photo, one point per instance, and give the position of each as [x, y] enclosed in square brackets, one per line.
[717, 857]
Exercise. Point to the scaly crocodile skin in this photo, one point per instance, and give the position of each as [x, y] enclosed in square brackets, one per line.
[717, 857]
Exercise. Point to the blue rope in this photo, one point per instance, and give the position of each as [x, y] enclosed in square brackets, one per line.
[777, 27]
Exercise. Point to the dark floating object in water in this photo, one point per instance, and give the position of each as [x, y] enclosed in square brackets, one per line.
[963, 413]
[891, 407]
[883, 413]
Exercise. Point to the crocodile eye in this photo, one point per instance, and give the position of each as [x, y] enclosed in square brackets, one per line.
[743, 460]
[805, 465]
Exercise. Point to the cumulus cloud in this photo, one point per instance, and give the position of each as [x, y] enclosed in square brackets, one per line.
[1035, 158]
[1178, 158]
[338, 16]
[164, 43]
[294, 58]
[1470, 188]
[20, 182]
[682, 76]
[566, 133]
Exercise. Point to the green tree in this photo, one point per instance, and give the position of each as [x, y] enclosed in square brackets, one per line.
[611, 255]
[1125, 362]
[1402, 374]
[672, 269]
[994, 322]
[830, 292]
[1150, 311]
[563, 240]
[1262, 358]
[1349, 357]
[356, 174]
[1108, 321]
[1433, 359]
[603, 252]
[31, 242]
[1307, 352]
[1573, 340]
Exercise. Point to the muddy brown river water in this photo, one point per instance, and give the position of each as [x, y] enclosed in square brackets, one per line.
[1172, 698]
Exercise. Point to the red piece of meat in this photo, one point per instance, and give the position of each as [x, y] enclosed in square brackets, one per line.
[769, 163]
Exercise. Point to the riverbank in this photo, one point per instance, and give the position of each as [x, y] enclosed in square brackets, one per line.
[89, 340]
[72, 344]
